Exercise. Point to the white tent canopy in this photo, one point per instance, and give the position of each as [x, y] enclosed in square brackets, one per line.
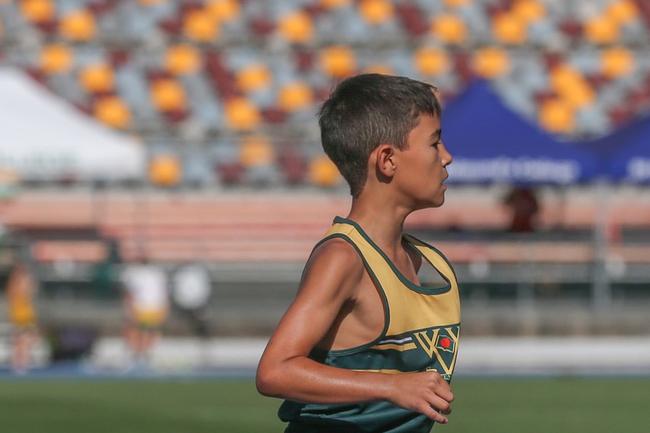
[44, 137]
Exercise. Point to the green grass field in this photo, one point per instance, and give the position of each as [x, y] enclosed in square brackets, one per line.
[482, 406]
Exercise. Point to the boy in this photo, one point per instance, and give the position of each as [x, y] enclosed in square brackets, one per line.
[364, 347]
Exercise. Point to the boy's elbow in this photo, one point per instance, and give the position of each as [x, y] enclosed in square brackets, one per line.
[267, 381]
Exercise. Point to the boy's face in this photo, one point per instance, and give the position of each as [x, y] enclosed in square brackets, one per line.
[422, 165]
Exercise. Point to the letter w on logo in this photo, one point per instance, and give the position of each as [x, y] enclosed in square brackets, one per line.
[428, 343]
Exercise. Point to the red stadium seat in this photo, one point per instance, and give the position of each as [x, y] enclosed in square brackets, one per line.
[230, 173]
[274, 115]
[293, 165]
[412, 19]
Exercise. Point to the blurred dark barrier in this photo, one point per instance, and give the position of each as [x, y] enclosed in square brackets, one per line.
[71, 342]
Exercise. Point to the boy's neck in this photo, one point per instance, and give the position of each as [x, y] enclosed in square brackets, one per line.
[381, 221]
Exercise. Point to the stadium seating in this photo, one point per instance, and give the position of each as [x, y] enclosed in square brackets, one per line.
[205, 71]
[235, 228]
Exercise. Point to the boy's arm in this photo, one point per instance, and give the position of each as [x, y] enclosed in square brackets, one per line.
[330, 279]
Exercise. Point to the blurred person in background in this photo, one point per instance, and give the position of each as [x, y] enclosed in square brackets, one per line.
[146, 307]
[191, 293]
[523, 204]
[21, 292]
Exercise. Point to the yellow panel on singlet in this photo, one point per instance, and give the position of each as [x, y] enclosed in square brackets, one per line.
[410, 306]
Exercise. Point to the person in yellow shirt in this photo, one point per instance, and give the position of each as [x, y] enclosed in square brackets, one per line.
[21, 291]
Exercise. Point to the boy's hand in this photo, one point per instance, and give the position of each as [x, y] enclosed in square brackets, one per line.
[426, 392]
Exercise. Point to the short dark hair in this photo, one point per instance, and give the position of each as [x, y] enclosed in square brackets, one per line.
[367, 110]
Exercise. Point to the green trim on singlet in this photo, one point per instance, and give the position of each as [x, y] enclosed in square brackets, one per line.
[436, 250]
[425, 290]
[382, 295]
[385, 358]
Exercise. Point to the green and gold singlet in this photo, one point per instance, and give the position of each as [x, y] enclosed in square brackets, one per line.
[421, 331]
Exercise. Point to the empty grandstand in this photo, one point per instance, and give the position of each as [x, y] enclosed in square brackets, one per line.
[225, 92]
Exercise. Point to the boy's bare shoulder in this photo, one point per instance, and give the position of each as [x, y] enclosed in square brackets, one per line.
[339, 252]
[335, 260]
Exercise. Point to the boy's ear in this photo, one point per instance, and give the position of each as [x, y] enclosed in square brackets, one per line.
[385, 162]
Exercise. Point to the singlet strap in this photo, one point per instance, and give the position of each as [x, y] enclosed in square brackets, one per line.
[435, 257]
[340, 231]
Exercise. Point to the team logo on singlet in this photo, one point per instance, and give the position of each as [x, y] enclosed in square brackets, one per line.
[441, 344]
[445, 344]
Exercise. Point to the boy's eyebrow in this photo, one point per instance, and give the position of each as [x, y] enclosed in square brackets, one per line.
[436, 133]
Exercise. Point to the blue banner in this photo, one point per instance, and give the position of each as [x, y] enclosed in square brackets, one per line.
[490, 143]
[625, 153]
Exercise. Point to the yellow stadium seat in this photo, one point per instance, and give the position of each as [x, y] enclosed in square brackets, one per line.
[578, 96]
[296, 27]
[323, 172]
[449, 29]
[333, 4]
[622, 11]
[182, 59]
[378, 68]
[376, 11]
[113, 112]
[456, 3]
[529, 11]
[295, 96]
[601, 30]
[571, 86]
[557, 116]
[253, 77]
[223, 10]
[256, 151]
[165, 170]
[509, 29]
[97, 78]
[491, 62]
[168, 95]
[338, 61]
[38, 11]
[431, 61]
[241, 114]
[201, 26]
[564, 76]
[56, 58]
[78, 26]
[616, 62]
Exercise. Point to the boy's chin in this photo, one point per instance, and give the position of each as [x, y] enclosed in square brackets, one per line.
[438, 201]
[433, 203]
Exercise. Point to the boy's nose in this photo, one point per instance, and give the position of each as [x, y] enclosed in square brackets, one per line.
[447, 158]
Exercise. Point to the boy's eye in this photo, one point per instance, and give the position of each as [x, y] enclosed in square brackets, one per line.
[436, 137]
